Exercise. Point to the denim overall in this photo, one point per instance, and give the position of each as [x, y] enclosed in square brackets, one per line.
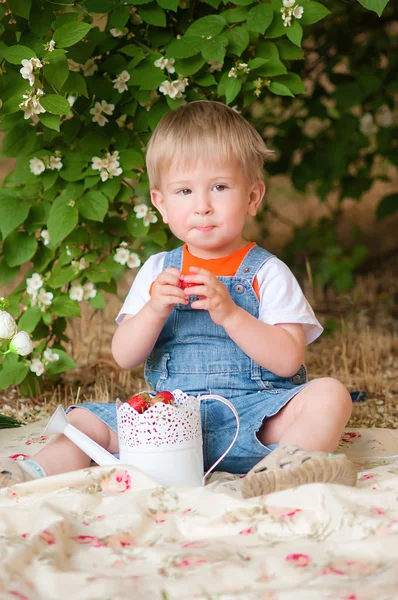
[195, 355]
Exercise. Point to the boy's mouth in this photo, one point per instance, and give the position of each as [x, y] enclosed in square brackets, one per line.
[204, 229]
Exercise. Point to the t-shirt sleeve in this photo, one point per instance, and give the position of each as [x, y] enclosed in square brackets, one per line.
[282, 300]
[139, 291]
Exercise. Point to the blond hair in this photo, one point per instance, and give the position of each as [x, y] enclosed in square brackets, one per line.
[208, 130]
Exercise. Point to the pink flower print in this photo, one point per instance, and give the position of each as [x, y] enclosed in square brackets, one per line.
[17, 595]
[331, 571]
[89, 540]
[299, 560]
[24, 535]
[349, 597]
[191, 561]
[248, 531]
[28, 442]
[350, 437]
[283, 512]
[19, 456]
[367, 476]
[378, 511]
[197, 544]
[353, 567]
[43, 438]
[120, 540]
[48, 537]
[118, 481]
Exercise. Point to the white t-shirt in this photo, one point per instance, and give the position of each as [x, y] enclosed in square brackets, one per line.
[281, 298]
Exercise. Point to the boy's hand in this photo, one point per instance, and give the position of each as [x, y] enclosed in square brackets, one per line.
[166, 292]
[214, 295]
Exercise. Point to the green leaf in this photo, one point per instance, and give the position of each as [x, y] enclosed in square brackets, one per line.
[118, 18]
[50, 121]
[185, 47]
[289, 51]
[136, 226]
[7, 273]
[93, 205]
[16, 54]
[12, 372]
[13, 211]
[279, 89]
[238, 40]
[387, 206]
[61, 275]
[57, 105]
[314, 12]
[63, 306]
[377, 5]
[295, 33]
[40, 19]
[20, 8]
[169, 4]
[154, 15]
[30, 319]
[64, 363]
[213, 50]
[98, 301]
[211, 25]
[17, 142]
[260, 18]
[62, 220]
[131, 159]
[235, 15]
[232, 89]
[18, 248]
[71, 33]
[206, 80]
[56, 73]
[189, 66]
[147, 77]
[292, 81]
[256, 63]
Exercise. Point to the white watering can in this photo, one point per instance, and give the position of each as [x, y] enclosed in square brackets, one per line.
[165, 441]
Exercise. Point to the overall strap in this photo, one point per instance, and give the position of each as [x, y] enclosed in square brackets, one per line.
[173, 259]
[252, 263]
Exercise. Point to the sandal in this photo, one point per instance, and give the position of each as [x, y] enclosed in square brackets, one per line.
[291, 466]
[11, 473]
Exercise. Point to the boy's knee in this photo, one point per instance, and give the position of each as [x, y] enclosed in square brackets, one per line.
[338, 393]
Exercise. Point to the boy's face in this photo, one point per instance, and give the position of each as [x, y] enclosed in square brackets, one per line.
[206, 206]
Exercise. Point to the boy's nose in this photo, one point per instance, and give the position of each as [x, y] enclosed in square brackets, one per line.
[203, 206]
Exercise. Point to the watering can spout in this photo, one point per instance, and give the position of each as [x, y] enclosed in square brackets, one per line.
[60, 424]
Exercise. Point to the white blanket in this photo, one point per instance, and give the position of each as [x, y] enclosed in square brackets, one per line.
[112, 533]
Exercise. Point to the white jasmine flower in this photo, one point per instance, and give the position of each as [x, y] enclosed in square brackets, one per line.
[55, 163]
[89, 290]
[170, 65]
[34, 283]
[141, 210]
[161, 62]
[50, 355]
[121, 256]
[104, 175]
[118, 32]
[121, 81]
[36, 166]
[46, 236]
[175, 88]
[28, 68]
[31, 106]
[367, 125]
[150, 217]
[68, 252]
[123, 245]
[71, 99]
[51, 46]
[36, 366]
[21, 344]
[133, 261]
[384, 116]
[8, 326]
[89, 67]
[107, 108]
[44, 298]
[83, 264]
[215, 65]
[288, 3]
[233, 72]
[100, 119]
[298, 12]
[121, 121]
[74, 66]
[76, 292]
[98, 163]
[114, 170]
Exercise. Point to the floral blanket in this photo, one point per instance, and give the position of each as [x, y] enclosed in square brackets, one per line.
[112, 533]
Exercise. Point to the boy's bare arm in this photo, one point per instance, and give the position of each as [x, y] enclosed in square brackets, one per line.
[278, 348]
[136, 336]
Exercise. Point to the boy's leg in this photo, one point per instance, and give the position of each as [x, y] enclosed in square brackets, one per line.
[314, 419]
[61, 455]
[307, 429]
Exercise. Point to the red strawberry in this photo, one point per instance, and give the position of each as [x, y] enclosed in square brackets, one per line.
[165, 397]
[186, 284]
[140, 402]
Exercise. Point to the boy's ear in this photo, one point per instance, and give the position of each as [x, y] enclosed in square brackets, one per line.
[158, 202]
[256, 194]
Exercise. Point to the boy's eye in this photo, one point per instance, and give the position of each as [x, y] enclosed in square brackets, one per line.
[220, 185]
[181, 192]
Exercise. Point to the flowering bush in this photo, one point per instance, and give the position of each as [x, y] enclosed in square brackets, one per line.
[82, 87]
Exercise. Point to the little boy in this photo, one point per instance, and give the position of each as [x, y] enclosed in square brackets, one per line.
[219, 315]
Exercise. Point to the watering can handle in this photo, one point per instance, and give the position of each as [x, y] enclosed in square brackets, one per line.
[231, 407]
